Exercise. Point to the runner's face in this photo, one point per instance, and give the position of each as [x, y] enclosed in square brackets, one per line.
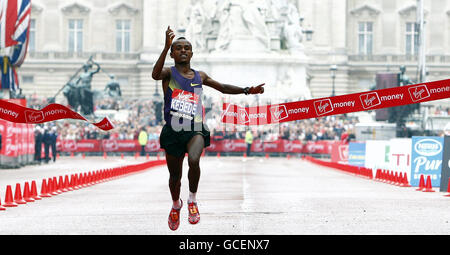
[181, 51]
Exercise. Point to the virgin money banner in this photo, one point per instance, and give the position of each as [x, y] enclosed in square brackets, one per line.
[319, 147]
[339, 153]
[17, 139]
[279, 146]
[19, 114]
[87, 145]
[110, 145]
[152, 146]
[321, 107]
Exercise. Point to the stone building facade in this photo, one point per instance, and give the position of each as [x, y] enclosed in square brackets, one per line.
[360, 37]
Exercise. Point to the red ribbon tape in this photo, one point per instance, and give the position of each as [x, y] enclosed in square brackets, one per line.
[20, 114]
[314, 108]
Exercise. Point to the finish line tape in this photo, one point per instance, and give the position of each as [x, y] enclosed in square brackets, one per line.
[314, 108]
[20, 114]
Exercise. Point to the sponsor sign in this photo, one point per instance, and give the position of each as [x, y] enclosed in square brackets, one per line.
[278, 112]
[17, 139]
[184, 104]
[356, 154]
[339, 153]
[388, 96]
[323, 106]
[377, 154]
[370, 100]
[418, 93]
[426, 159]
[18, 113]
[400, 155]
[445, 171]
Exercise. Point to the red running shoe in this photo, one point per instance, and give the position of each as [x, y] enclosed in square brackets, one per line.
[194, 215]
[174, 217]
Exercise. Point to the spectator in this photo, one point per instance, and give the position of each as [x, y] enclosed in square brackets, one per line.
[47, 142]
[38, 136]
[53, 137]
[143, 139]
[248, 140]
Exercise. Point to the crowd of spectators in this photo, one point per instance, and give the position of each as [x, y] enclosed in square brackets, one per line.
[440, 111]
[142, 113]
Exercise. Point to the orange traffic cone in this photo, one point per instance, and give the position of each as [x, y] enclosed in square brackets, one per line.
[121, 155]
[267, 155]
[67, 184]
[73, 182]
[421, 183]
[51, 187]
[218, 154]
[1, 207]
[104, 155]
[448, 189]
[9, 198]
[34, 194]
[405, 182]
[56, 185]
[84, 156]
[27, 193]
[428, 187]
[44, 191]
[18, 195]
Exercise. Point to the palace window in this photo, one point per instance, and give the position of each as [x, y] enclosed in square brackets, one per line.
[365, 38]
[75, 35]
[122, 35]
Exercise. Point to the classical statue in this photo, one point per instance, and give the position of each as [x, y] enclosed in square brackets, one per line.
[85, 79]
[83, 85]
[196, 20]
[224, 35]
[292, 30]
[254, 15]
[241, 18]
[72, 94]
[113, 88]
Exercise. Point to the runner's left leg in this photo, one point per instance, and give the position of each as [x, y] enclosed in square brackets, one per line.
[195, 149]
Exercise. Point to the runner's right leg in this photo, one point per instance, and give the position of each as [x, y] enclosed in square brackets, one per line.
[175, 165]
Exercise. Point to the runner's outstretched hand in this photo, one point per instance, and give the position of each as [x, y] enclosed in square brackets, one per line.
[257, 90]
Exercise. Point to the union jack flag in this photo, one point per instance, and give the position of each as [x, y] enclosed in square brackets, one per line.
[14, 22]
[14, 33]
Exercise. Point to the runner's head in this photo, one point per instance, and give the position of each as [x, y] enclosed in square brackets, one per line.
[181, 50]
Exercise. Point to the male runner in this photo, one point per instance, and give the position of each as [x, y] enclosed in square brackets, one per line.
[184, 130]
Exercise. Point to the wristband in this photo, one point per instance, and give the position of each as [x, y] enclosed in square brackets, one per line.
[246, 89]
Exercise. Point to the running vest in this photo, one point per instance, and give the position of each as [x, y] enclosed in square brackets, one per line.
[182, 101]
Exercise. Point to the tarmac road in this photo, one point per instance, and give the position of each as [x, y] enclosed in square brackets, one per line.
[236, 196]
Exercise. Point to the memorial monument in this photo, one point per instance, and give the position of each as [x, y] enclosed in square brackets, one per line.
[248, 42]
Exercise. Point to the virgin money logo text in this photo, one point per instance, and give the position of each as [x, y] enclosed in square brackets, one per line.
[33, 116]
[278, 112]
[323, 106]
[369, 100]
[419, 92]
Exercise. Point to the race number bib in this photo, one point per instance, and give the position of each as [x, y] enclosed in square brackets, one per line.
[184, 104]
